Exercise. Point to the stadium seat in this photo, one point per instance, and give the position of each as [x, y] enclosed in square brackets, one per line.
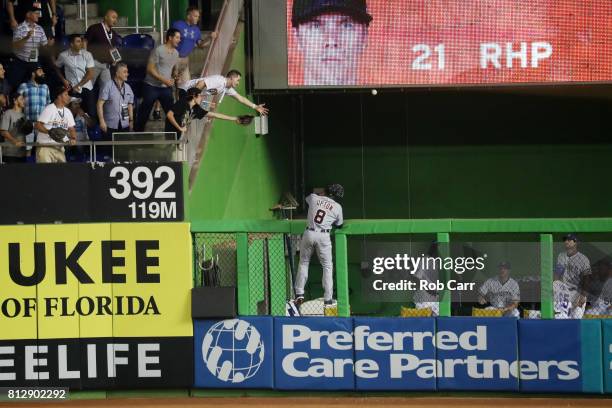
[478, 312]
[139, 41]
[413, 312]
[63, 43]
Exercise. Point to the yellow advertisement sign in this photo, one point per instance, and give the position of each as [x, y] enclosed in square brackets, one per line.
[95, 280]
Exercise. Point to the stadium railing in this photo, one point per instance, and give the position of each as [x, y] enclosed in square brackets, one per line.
[259, 253]
[139, 149]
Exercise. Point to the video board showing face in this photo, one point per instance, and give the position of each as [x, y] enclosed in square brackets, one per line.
[447, 42]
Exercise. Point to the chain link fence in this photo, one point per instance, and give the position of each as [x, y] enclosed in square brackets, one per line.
[273, 260]
[268, 263]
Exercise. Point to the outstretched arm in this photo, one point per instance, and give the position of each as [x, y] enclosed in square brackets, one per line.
[222, 116]
[259, 108]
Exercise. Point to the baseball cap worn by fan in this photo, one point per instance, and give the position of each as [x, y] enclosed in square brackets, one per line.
[35, 67]
[304, 10]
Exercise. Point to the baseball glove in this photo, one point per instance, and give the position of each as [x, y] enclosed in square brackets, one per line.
[245, 119]
[59, 135]
[24, 126]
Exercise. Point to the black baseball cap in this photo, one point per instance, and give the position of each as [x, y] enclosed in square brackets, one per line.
[571, 236]
[505, 265]
[35, 67]
[304, 10]
[33, 9]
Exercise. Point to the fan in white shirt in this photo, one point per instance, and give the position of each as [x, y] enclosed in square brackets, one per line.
[55, 115]
[223, 85]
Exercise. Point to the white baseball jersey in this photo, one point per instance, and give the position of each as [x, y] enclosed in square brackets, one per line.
[574, 267]
[562, 297]
[323, 212]
[216, 82]
[500, 295]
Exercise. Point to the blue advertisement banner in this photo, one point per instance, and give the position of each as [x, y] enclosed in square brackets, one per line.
[551, 357]
[395, 354]
[379, 354]
[477, 354]
[234, 353]
[313, 353]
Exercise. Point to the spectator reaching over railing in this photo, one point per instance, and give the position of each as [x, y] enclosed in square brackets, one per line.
[187, 109]
[222, 85]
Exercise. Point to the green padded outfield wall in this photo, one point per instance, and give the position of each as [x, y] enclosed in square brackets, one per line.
[463, 154]
[241, 176]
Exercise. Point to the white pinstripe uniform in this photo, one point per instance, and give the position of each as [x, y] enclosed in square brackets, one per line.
[501, 295]
[574, 268]
[562, 298]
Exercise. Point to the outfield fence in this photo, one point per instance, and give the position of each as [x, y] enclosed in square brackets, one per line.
[261, 258]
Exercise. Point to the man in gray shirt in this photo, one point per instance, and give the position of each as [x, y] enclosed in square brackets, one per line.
[159, 82]
[576, 272]
[11, 130]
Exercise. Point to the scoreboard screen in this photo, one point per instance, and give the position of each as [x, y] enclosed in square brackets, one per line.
[447, 42]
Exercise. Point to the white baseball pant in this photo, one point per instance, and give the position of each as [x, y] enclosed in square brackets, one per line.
[321, 242]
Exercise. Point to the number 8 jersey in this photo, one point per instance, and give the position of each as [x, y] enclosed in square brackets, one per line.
[323, 212]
